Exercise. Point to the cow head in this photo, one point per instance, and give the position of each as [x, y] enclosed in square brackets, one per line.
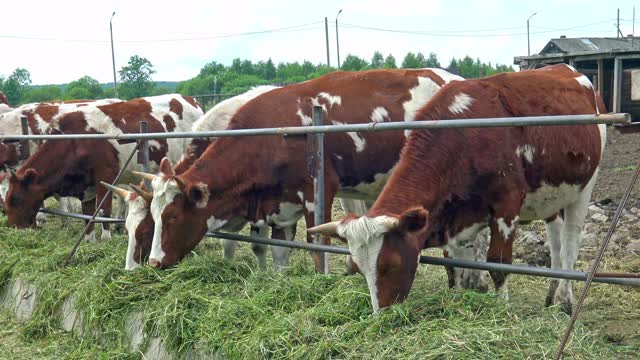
[386, 250]
[178, 211]
[139, 223]
[24, 198]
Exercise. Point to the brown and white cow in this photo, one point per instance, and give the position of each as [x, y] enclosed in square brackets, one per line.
[450, 183]
[75, 167]
[41, 118]
[264, 179]
[4, 104]
[139, 222]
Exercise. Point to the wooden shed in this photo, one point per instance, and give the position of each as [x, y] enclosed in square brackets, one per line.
[612, 64]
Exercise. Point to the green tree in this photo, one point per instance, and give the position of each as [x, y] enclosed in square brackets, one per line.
[377, 61]
[43, 93]
[453, 67]
[16, 85]
[390, 62]
[85, 88]
[432, 61]
[354, 63]
[411, 61]
[135, 78]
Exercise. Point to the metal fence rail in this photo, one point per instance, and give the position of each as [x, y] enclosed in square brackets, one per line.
[617, 118]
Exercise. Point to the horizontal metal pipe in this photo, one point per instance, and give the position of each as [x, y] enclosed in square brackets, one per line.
[430, 260]
[97, 219]
[620, 118]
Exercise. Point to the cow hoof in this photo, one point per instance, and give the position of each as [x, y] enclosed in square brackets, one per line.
[566, 308]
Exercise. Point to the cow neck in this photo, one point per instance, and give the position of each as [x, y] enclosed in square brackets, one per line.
[51, 162]
[425, 174]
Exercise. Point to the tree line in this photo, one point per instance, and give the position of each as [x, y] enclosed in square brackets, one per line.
[216, 78]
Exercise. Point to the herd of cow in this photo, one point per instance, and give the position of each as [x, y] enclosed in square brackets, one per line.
[428, 188]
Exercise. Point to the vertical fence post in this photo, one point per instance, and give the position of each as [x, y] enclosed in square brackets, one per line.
[25, 152]
[143, 152]
[318, 183]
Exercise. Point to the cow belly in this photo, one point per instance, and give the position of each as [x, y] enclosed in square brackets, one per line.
[364, 190]
[547, 200]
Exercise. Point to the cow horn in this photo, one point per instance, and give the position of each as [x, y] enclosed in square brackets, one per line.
[144, 175]
[116, 190]
[147, 196]
[328, 229]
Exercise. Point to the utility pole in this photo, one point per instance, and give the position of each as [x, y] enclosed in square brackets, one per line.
[113, 57]
[528, 42]
[337, 43]
[619, 33]
[326, 34]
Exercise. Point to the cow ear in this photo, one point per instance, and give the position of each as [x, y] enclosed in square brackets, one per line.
[198, 194]
[30, 176]
[166, 168]
[413, 220]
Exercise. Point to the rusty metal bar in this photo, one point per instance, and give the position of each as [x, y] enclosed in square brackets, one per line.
[318, 183]
[616, 118]
[25, 151]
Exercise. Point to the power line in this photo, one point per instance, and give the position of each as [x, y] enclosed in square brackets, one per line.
[295, 28]
[442, 33]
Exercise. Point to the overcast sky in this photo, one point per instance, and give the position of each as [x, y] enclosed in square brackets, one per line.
[60, 41]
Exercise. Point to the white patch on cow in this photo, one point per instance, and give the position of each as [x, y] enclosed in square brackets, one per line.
[137, 212]
[106, 234]
[301, 195]
[374, 188]
[505, 229]
[306, 120]
[461, 103]
[316, 102]
[4, 108]
[4, 187]
[154, 144]
[311, 207]
[288, 215]
[339, 157]
[331, 99]
[446, 76]
[365, 235]
[420, 96]
[358, 141]
[570, 67]
[547, 200]
[379, 114]
[214, 224]
[218, 117]
[584, 81]
[602, 128]
[527, 151]
[90, 237]
[163, 194]
[43, 126]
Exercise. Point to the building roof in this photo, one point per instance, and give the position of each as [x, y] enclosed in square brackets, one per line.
[590, 44]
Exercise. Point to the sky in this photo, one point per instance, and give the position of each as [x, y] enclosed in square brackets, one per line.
[61, 41]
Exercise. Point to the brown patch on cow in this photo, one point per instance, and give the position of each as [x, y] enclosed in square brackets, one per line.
[175, 107]
[192, 101]
[170, 124]
[3, 99]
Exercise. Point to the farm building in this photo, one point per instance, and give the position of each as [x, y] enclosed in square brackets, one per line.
[612, 64]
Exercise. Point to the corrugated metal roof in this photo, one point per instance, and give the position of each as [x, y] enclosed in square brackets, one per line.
[573, 45]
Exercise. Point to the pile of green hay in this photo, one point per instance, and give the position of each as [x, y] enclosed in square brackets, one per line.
[234, 309]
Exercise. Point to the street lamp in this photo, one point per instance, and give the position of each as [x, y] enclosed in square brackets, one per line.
[337, 44]
[113, 57]
[528, 43]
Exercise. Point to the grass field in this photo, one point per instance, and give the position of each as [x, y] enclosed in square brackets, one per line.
[232, 308]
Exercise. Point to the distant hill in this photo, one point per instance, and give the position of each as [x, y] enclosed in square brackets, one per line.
[171, 85]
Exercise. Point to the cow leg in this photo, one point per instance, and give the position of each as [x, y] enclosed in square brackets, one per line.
[461, 247]
[503, 231]
[280, 254]
[259, 250]
[229, 248]
[101, 192]
[88, 207]
[573, 221]
[554, 232]
[357, 207]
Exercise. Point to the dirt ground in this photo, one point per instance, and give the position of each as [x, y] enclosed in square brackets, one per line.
[621, 156]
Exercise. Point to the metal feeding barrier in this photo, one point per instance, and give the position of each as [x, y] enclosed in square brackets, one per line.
[316, 158]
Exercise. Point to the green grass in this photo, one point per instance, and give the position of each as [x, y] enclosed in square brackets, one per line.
[232, 308]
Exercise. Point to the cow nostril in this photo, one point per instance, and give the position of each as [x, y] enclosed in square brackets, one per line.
[154, 263]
